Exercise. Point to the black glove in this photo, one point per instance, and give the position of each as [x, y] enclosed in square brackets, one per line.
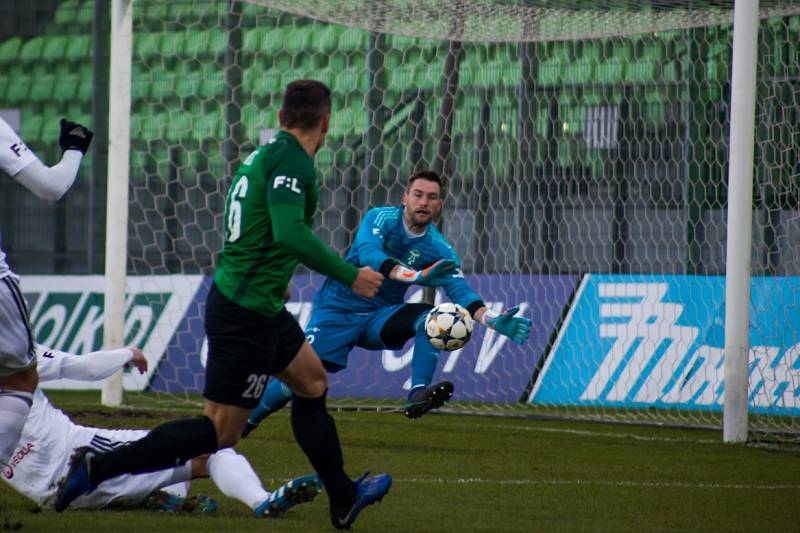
[74, 136]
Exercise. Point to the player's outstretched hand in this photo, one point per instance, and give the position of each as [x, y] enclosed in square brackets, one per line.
[436, 274]
[74, 136]
[368, 282]
[517, 328]
[138, 361]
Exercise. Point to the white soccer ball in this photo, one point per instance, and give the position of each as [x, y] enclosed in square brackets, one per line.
[448, 326]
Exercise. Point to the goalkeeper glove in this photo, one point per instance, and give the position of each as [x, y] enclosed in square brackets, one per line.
[74, 136]
[517, 328]
[433, 276]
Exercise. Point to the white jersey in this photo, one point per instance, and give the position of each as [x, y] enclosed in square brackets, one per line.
[49, 438]
[14, 156]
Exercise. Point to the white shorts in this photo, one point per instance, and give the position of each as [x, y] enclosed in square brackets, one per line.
[17, 347]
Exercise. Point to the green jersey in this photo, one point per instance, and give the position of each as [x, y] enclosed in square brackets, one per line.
[268, 217]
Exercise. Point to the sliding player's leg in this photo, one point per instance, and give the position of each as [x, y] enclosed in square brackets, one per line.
[233, 475]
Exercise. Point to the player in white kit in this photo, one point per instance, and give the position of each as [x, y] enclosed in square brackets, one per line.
[49, 437]
[18, 377]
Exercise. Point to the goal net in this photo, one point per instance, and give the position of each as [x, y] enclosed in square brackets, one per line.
[585, 145]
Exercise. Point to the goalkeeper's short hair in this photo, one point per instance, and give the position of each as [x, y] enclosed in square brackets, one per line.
[427, 175]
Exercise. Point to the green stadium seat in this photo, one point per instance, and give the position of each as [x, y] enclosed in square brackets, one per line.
[146, 46]
[79, 47]
[31, 51]
[42, 88]
[251, 43]
[272, 39]
[325, 41]
[178, 126]
[84, 16]
[296, 40]
[19, 89]
[579, 72]
[85, 90]
[213, 86]
[9, 50]
[54, 47]
[31, 126]
[205, 45]
[550, 71]
[351, 40]
[610, 72]
[154, 125]
[66, 15]
[172, 46]
[401, 77]
[641, 71]
[163, 86]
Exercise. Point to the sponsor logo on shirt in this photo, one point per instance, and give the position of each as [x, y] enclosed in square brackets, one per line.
[287, 182]
[16, 459]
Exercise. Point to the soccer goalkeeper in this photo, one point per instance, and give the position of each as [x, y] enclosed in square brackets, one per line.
[406, 248]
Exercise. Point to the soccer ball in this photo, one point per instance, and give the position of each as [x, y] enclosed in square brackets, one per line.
[448, 326]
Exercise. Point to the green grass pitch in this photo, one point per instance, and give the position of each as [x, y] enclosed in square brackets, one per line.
[469, 473]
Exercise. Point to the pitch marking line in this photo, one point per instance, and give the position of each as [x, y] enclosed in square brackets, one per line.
[584, 482]
[587, 433]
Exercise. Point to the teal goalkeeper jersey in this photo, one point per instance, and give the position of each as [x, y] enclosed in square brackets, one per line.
[269, 212]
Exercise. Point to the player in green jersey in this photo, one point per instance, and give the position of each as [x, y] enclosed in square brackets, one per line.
[268, 217]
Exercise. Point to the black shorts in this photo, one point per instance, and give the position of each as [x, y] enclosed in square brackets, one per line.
[244, 349]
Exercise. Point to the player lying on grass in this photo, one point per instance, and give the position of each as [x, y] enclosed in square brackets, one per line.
[49, 436]
[400, 242]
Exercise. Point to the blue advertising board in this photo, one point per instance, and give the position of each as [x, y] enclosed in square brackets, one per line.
[490, 368]
[642, 341]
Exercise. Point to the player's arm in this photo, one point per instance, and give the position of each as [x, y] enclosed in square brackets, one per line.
[506, 323]
[94, 366]
[50, 183]
[370, 246]
[291, 232]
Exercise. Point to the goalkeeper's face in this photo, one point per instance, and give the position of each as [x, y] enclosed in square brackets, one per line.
[422, 202]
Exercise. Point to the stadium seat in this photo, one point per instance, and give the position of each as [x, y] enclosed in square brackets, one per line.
[9, 50]
[42, 88]
[251, 44]
[66, 15]
[31, 125]
[204, 45]
[54, 48]
[146, 47]
[78, 48]
[272, 39]
[325, 41]
[351, 40]
[31, 51]
[19, 89]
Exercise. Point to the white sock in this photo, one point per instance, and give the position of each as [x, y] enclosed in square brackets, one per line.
[236, 479]
[14, 408]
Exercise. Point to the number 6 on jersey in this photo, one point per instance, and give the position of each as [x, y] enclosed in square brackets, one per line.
[235, 209]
